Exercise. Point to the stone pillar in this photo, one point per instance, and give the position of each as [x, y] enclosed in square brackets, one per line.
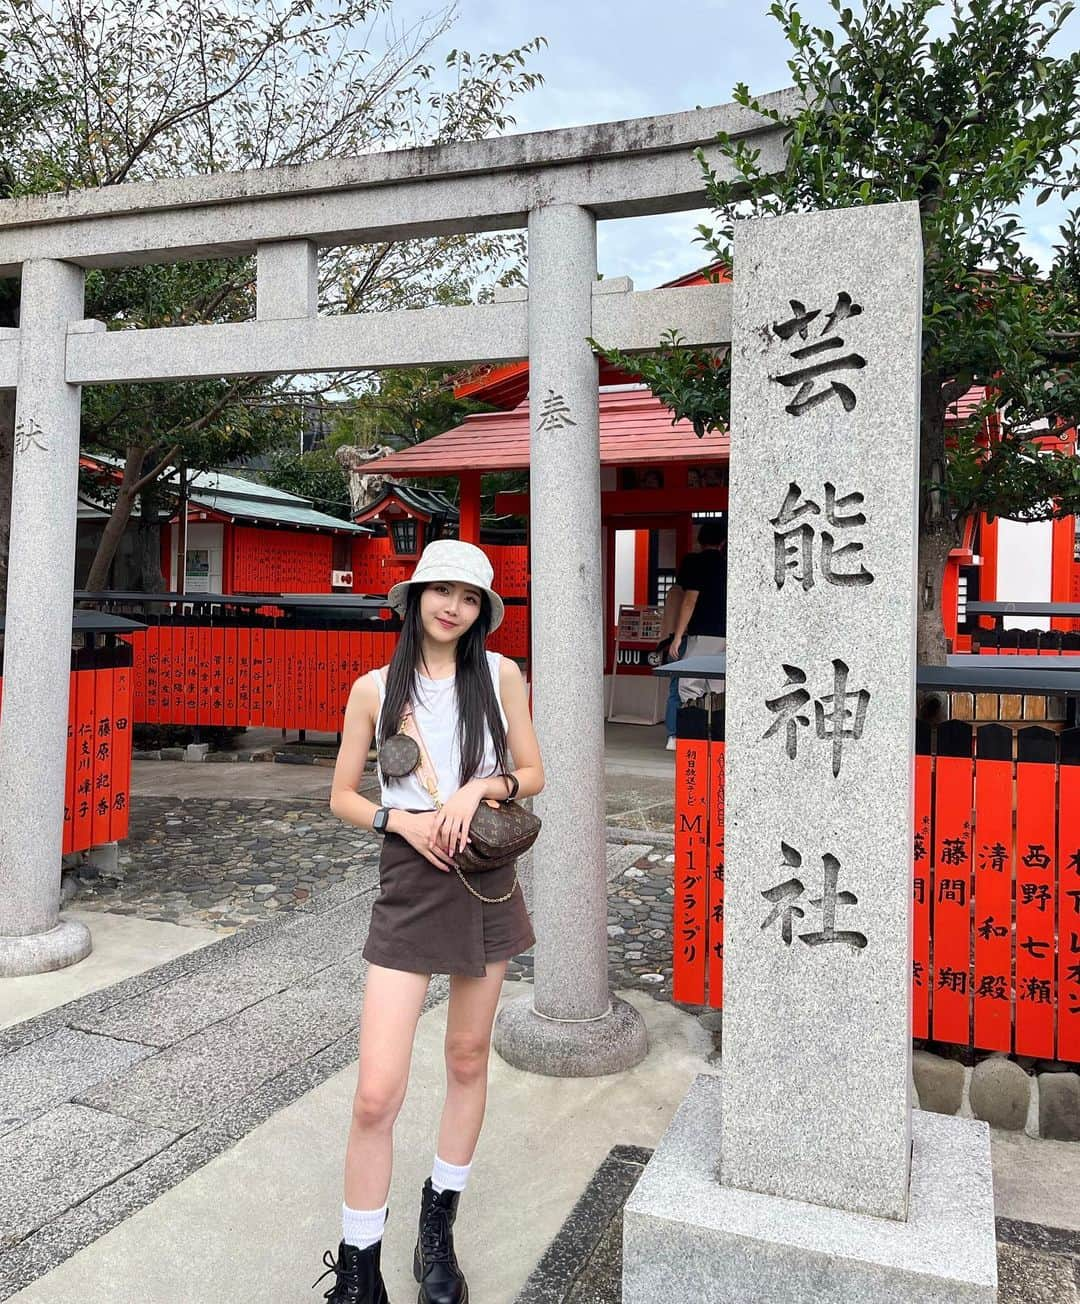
[569, 1027]
[37, 643]
[287, 280]
[822, 1185]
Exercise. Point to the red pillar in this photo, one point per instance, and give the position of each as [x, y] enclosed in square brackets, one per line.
[1062, 569]
[641, 568]
[469, 507]
[988, 550]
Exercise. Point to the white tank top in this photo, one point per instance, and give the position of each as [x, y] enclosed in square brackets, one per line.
[437, 718]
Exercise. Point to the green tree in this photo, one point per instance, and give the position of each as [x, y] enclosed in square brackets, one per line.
[192, 86]
[966, 123]
[404, 408]
[316, 475]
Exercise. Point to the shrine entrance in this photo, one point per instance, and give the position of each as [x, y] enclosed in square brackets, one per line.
[656, 476]
[557, 185]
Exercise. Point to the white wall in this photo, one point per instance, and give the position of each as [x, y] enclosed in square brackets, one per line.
[201, 537]
[1024, 550]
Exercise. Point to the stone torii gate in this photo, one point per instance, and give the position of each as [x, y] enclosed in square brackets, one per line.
[802, 1173]
[557, 185]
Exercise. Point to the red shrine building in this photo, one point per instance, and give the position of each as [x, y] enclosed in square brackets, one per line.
[658, 481]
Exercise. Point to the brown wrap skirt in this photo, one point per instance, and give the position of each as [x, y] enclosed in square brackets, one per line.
[425, 920]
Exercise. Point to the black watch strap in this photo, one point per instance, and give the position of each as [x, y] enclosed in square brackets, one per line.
[381, 820]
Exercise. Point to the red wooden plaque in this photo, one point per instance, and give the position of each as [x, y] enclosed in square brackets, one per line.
[715, 865]
[921, 886]
[951, 909]
[217, 676]
[69, 773]
[120, 816]
[243, 676]
[1068, 1030]
[102, 745]
[83, 689]
[691, 857]
[138, 675]
[229, 698]
[1036, 861]
[993, 857]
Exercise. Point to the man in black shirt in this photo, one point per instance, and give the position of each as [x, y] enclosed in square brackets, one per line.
[703, 614]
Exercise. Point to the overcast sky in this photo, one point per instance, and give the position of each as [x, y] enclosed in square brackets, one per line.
[640, 57]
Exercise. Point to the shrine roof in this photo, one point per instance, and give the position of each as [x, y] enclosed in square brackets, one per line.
[425, 502]
[966, 404]
[236, 498]
[635, 429]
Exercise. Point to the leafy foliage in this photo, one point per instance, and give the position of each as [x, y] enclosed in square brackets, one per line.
[137, 93]
[965, 123]
[694, 383]
[316, 475]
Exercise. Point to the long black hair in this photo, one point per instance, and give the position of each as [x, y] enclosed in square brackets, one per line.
[473, 687]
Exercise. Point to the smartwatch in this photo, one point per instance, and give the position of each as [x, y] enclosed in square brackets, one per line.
[382, 818]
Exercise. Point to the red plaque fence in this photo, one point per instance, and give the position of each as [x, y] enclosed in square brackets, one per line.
[98, 784]
[279, 665]
[995, 882]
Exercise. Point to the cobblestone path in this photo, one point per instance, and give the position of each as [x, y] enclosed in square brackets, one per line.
[230, 864]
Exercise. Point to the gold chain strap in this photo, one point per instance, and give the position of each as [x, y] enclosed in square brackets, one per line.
[491, 901]
[427, 778]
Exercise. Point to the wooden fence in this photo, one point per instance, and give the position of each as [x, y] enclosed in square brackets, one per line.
[995, 882]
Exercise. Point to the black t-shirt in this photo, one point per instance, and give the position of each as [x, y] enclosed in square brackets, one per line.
[705, 572]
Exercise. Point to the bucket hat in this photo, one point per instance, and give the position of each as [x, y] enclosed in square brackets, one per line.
[451, 559]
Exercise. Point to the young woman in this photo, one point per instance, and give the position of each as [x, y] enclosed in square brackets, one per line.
[470, 710]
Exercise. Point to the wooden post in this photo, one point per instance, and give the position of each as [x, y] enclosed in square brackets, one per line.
[182, 531]
[469, 507]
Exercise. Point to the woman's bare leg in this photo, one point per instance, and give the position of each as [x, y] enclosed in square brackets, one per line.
[469, 1021]
[393, 1000]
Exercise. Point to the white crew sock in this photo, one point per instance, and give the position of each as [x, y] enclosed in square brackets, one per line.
[448, 1177]
[362, 1227]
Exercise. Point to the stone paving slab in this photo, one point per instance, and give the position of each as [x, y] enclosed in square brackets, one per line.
[190, 1081]
[620, 856]
[42, 1025]
[174, 1011]
[91, 1218]
[218, 1083]
[52, 1069]
[40, 1178]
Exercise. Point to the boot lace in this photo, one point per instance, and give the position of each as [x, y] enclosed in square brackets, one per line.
[435, 1235]
[341, 1274]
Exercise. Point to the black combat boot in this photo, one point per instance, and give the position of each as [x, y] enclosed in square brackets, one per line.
[435, 1264]
[359, 1277]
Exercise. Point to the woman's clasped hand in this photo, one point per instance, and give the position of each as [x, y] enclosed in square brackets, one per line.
[438, 835]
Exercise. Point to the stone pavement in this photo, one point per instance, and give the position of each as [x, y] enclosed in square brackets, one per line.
[199, 1103]
[179, 1136]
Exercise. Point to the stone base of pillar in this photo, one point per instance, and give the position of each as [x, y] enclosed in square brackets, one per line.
[561, 1049]
[688, 1239]
[66, 943]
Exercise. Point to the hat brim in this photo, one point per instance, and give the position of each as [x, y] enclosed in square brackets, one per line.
[398, 596]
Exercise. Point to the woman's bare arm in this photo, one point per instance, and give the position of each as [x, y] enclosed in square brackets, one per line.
[520, 738]
[361, 713]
